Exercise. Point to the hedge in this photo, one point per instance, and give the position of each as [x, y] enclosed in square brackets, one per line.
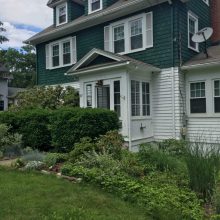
[60, 129]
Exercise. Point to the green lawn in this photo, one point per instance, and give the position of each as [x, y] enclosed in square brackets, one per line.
[36, 196]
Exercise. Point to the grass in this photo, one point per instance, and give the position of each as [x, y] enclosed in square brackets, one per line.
[35, 196]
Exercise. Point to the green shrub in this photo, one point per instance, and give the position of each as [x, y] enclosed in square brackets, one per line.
[32, 124]
[53, 158]
[69, 125]
[203, 163]
[85, 145]
[111, 143]
[44, 129]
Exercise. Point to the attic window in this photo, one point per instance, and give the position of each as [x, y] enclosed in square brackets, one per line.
[94, 5]
[61, 14]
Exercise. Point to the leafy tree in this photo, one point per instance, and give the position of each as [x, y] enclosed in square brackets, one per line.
[47, 98]
[2, 38]
[22, 65]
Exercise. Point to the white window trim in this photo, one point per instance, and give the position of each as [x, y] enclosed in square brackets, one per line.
[214, 96]
[127, 34]
[57, 14]
[189, 91]
[60, 43]
[195, 18]
[90, 7]
[141, 116]
[206, 1]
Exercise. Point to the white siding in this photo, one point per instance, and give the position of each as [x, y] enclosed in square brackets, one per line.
[167, 104]
[206, 126]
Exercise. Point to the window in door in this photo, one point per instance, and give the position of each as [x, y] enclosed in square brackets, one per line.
[103, 97]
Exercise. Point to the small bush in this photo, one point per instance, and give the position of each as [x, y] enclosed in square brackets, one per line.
[34, 165]
[85, 145]
[18, 163]
[53, 158]
[111, 143]
[203, 163]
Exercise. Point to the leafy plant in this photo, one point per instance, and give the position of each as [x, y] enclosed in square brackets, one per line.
[85, 145]
[53, 158]
[112, 143]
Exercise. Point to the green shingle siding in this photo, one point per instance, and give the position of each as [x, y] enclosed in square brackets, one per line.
[74, 10]
[170, 22]
[202, 10]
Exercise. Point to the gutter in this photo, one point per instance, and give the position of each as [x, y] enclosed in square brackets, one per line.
[202, 65]
[80, 25]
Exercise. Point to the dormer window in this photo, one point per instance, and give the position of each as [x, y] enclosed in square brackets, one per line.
[61, 14]
[94, 5]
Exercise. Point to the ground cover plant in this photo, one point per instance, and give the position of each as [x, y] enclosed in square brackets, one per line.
[26, 195]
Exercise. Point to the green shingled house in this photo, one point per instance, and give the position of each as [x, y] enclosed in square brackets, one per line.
[136, 57]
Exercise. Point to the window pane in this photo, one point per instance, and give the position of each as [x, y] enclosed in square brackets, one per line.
[146, 98]
[117, 101]
[55, 55]
[136, 34]
[1, 105]
[103, 97]
[95, 5]
[217, 104]
[198, 105]
[197, 90]
[62, 14]
[66, 53]
[217, 87]
[136, 42]
[119, 41]
[135, 98]
[89, 95]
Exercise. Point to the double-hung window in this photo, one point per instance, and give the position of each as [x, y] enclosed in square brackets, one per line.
[197, 97]
[217, 96]
[61, 14]
[192, 29]
[140, 98]
[119, 39]
[130, 35]
[55, 55]
[61, 53]
[136, 34]
[94, 5]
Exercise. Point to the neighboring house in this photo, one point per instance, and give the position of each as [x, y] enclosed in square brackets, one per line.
[4, 77]
[12, 95]
[134, 57]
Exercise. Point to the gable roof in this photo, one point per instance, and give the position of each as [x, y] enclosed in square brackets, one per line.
[116, 10]
[82, 66]
[201, 60]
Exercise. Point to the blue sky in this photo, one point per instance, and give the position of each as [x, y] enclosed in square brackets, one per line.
[24, 18]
